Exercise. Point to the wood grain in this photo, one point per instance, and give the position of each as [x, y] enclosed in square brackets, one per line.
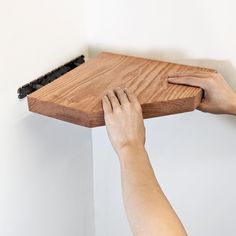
[76, 96]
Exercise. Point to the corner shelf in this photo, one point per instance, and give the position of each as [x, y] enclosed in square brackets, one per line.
[76, 96]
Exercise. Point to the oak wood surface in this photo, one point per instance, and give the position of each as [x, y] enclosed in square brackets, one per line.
[76, 96]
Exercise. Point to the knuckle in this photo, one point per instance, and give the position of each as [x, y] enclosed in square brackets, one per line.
[117, 109]
[211, 80]
[119, 90]
[126, 105]
[110, 93]
[139, 109]
[108, 114]
[108, 118]
[129, 107]
[136, 103]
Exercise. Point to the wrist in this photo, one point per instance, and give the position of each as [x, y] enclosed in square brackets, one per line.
[131, 152]
[234, 109]
[130, 147]
[233, 106]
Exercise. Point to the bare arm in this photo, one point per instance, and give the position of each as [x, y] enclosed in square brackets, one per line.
[148, 210]
[219, 97]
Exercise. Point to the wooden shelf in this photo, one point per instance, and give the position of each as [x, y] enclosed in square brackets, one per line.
[76, 96]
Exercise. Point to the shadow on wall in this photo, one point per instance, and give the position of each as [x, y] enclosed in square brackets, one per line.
[57, 137]
[225, 67]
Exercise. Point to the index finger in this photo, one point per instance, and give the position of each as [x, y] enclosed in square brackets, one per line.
[189, 80]
[131, 96]
[199, 74]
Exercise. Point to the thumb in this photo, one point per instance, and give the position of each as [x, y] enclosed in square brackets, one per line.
[204, 107]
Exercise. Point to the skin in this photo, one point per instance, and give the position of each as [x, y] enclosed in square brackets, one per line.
[148, 210]
[219, 97]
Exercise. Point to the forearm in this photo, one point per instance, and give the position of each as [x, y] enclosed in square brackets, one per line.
[148, 210]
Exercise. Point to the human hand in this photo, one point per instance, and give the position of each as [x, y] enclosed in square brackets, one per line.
[219, 98]
[124, 120]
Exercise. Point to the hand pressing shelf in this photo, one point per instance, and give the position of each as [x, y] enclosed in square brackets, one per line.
[76, 96]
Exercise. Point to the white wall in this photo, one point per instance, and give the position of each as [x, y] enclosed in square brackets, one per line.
[193, 154]
[46, 168]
